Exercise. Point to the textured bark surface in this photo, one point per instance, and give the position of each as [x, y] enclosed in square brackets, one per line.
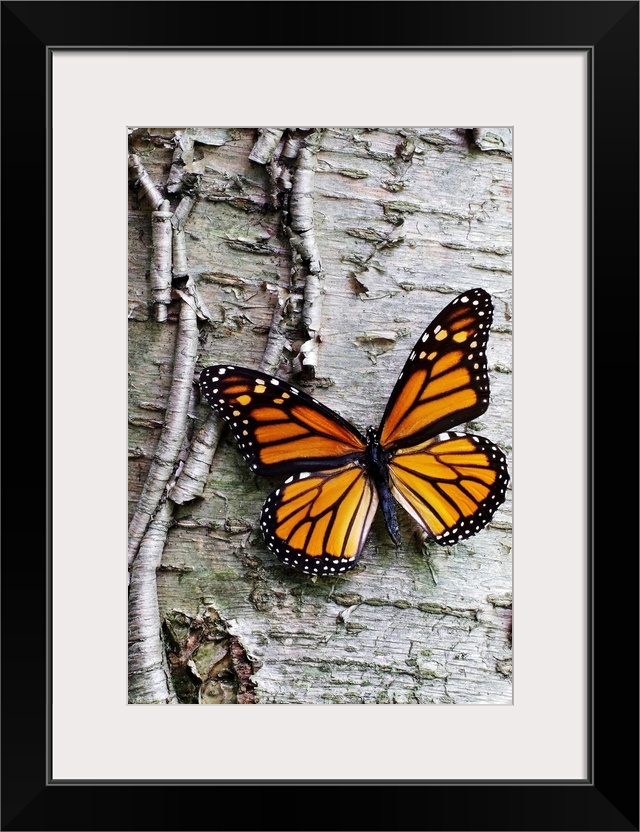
[403, 220]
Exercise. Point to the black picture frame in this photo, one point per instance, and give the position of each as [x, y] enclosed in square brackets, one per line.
[608, 798]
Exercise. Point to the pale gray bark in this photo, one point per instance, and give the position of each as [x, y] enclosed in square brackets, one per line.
[403, 220]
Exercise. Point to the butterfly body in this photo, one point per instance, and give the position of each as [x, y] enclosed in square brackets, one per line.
[318, 520]
[376, 462]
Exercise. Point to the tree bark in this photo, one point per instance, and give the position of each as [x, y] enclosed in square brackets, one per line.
[320, 256]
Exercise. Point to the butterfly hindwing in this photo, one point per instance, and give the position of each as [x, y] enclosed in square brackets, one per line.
[444, 381]
[451, 484]
[279, 429]
[317, 522]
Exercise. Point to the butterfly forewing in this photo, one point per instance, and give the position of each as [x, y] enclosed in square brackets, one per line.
[279, 429]
[452, 484]
[444, 382]
[318, 522]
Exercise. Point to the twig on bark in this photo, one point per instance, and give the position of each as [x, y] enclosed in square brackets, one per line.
[266, 145]
[161, 260]
[142, 182]
[193, 478]
[276, 339]
[173, 431]
[149, 679]
[189, 292]
[160, 237]
[292, 145]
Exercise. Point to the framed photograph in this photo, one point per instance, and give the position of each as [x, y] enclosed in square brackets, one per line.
[411, 151]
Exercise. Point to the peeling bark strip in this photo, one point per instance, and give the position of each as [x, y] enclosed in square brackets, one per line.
[149, 680]
[142, 182]
[161, 263]
[182, 155]
[304, 242]
[174, 429]
[301, 210]
[298, 225]
[265, 147]
[190, 294]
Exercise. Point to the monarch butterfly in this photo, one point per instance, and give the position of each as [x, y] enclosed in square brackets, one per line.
[318, 520]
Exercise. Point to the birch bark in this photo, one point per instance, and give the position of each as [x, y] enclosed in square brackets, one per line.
[401, 221]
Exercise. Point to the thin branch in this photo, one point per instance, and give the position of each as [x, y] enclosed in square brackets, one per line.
[149, 679]
[161, 260]
[174, 428]
[189, 292]
[160, 236]
[301, 210]
[193, 478]
[142, 182]
[276, 339]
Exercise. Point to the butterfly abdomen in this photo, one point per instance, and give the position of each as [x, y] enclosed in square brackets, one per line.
[376, 461]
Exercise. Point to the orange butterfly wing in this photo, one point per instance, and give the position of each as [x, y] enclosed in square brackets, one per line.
[451, 484]
[318, 522]
[444, 382]
[279, 429]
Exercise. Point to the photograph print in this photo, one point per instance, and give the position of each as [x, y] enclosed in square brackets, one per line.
[320, 415]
